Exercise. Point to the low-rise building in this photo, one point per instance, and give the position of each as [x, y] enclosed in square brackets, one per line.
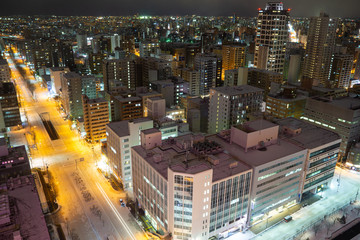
[277, 165]
[21, 213]
[322, 152]
[13, 162]
[288, 103]
[340, 115]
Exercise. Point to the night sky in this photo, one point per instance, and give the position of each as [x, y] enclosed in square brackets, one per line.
[246, 8]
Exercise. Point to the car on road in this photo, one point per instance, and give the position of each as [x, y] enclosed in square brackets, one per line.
[122, 203]
[288, 218]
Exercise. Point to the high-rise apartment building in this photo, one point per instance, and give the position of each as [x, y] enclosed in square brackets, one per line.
[9, 106]
[230, 105]
[89, 86]
[5, 75]
[96, 116]
[119, 72]
[149, 48]
[71, 92]
[121, 137]
[127, 108]
[340, 115]
[341, 71]
[153, 69]
[319, 49]
[209, 66]
[96, 61]
[233, 57]
[271, 37]
[193, 79]
[115, 42]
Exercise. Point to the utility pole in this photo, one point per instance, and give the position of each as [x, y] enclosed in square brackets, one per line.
[76, 164]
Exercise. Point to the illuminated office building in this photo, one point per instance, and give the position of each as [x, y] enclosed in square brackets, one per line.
[271, 37]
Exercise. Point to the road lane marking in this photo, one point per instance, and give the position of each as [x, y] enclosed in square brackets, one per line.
[115, 211]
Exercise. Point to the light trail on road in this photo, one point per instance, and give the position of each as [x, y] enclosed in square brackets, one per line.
[116, 212]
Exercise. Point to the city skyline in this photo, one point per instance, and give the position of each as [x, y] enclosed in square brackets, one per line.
[182, 120]
[241, 8]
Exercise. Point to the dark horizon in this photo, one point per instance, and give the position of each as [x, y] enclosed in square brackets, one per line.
[242, 8]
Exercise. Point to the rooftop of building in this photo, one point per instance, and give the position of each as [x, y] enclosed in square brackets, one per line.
[310, 136]
[127, 99]
[96, 100]
[156, 98]
[351, 103]
[163, 82]
[3, 61]
[264, 71]
[237, 90]
[16, 156]
[71, 75]
[258, 157]
[152, 93]
[121, 128]
[172, 154]
[21, 210]
[255, 125]
[56, 69]
[150, 131]
[289, 94]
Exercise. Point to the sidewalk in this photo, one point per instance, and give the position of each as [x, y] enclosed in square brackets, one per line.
[40, 190]
[272, 220]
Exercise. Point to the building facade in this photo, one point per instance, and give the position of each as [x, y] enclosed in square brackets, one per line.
[319, 49]
[96, 116]
[340, 115]
[71, 94]
[230, 105]
[271, 37]
[233, 57]
[119, 72]
[190, 197]
[341, 70]
[9, 106]
[322, 152]
[121, 136]
[5, 75]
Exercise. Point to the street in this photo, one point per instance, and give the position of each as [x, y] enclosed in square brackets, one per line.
[90, 208]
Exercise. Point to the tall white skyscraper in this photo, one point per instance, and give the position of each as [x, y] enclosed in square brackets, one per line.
[271, 37]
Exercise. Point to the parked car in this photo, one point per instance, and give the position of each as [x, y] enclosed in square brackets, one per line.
[122, 203]
[288, 218]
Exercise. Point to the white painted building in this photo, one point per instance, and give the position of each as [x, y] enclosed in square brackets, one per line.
[121, 136]
[188, 196]
[55, 76]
